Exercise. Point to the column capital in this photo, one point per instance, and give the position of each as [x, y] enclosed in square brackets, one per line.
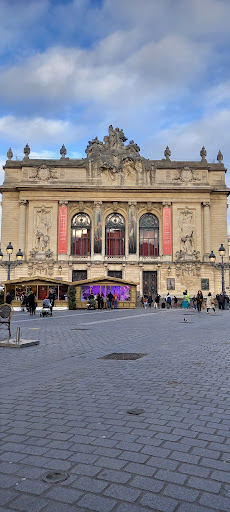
[206, 204]
[63, 203]
[132, 203]
[97, 204]
[23, 202]
[167, 204]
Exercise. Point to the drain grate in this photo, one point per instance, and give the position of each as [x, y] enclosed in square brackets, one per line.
[55, 477]
[121, 356]
[136, 412]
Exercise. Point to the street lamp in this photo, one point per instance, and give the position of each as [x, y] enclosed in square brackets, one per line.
[60, 269]
[219, 266]
[9, 263]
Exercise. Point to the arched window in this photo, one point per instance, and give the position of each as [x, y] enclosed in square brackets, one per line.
[149, 235]
[115, 235]
[80, 234]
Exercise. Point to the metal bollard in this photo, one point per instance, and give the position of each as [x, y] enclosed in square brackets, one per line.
[18, 336]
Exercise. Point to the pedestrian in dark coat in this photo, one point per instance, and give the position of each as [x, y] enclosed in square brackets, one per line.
[150, 300]
[199, 300]
[51, 297]
[8, 298]
[31, 302]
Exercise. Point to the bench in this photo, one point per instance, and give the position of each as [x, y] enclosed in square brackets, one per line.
[5, 316]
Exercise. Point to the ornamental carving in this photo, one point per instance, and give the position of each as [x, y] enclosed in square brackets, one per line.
[188, 269]
[187, 175]
[111, 160]
[40, 268]
[42, 228]
[44, 173]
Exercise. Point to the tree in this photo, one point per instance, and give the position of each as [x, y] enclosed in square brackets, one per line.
[72, 297]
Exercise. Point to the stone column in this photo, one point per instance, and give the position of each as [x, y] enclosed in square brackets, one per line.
[22, 225]
[132, 227]
[207, 232]
[97, 227]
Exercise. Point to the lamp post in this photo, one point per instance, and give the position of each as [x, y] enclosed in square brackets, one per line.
[9, 263]
[219, 266]
[60, 270]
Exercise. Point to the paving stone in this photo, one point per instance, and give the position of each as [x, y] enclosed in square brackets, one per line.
[189, 469]
[170, 476]
[140, 469]
[27, 503]
[180, 493]
[121, 492]
[97, 503]
[6, 496]
[204, 485]
[107, 462]
[32, 487]
[159, 503]
[7, 481]
[90, 484]
[148, 484]
[216, 502]
[64, 494]
[114, 476]
[86, 469]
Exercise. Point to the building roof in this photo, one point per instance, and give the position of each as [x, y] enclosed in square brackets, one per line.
[27, 280]
[103, 279]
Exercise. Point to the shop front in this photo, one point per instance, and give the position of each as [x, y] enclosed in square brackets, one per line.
[41, 287]
[124, 290]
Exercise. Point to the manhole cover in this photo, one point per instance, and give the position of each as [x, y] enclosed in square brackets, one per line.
[55, 477]
[123, 356]
[136, 412]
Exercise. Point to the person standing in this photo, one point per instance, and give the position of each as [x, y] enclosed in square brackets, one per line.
[109, 300]
[221, 300]
[115, 297]
[210, 304]
[145, 301]
[99, 300]
[199, 300]
[150, 300]
[175, 301]
[8, 298]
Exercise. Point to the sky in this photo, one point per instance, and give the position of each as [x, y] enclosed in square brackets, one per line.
[158, 69]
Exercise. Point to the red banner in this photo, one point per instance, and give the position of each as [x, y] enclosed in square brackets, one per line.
[62, 230]
[167, 231]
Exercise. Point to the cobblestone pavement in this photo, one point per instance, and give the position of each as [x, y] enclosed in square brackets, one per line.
[63, 408]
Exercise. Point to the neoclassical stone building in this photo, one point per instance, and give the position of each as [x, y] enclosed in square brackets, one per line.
[116, 213]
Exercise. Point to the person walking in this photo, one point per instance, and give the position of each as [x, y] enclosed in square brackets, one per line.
[157, 301]
[51, 298]
[175, 301]
[150, 300]
[199, 300]
[145, 301]
[169, 301]
[32, 304]
[210, 304]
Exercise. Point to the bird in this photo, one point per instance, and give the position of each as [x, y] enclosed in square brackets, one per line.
[185, 320]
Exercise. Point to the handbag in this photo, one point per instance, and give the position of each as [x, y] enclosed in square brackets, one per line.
[203, 305]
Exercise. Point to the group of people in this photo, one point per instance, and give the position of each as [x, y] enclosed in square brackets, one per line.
[29, 302]
[198, 301]
[111, 300]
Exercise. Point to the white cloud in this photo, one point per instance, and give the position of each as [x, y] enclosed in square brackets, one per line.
[38, 130]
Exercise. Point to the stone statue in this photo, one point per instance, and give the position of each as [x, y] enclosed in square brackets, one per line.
[43, 225]
[186, 222]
